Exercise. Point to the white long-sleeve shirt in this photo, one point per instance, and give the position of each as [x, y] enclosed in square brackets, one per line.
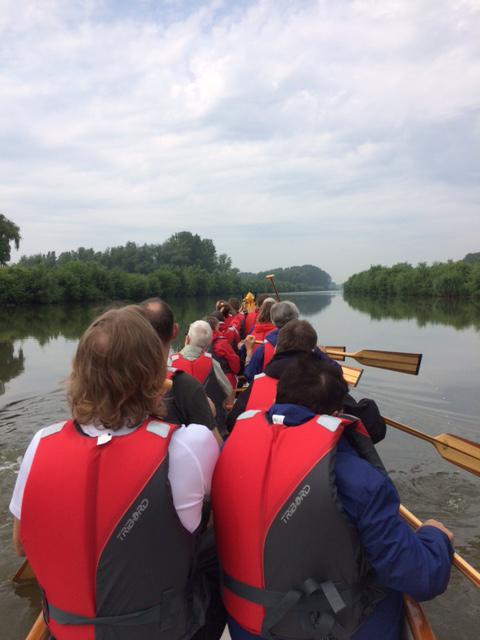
[193, 453]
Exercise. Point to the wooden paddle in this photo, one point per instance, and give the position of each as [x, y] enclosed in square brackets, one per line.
[271, 278]
[39, 631]
[391, 360]
[464, 453]
[351, 375]
[462, 565]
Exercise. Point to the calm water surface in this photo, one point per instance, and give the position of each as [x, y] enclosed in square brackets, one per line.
[37, 344]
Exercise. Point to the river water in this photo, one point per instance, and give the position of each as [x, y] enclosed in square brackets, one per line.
[37, 344]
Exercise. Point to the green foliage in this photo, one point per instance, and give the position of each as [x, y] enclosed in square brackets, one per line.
[304, 278]
[184, 265]
[442, 279]
[9, 232]
[472, 257]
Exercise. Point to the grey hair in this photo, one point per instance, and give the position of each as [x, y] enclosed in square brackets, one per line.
[283, 312]
[200, 334]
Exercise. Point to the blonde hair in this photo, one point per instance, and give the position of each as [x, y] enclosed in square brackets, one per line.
[118, 370]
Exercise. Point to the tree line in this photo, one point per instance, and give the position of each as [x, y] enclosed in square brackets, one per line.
[184, 265]
[452, 279]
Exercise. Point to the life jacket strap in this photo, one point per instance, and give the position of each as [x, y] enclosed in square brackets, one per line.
[323, 602]
[163, 613]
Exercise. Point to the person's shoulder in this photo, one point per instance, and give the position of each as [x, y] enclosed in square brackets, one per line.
[357, 476]
[196, 437]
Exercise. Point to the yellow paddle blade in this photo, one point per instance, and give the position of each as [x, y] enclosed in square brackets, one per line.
[464, 453]
[24, 574]
[391, 360]
[351, 375]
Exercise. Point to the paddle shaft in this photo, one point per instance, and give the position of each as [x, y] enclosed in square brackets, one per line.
[462, 565]
[39, 631]
[272, 280]
[410, 430]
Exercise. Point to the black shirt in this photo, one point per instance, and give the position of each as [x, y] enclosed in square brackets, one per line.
[186, 402]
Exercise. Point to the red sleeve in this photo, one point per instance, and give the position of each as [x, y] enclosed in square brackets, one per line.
[224, 350]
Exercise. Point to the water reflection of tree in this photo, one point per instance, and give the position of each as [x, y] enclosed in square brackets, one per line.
[11, 364]
[45, 322]
[310, 304]
[459, 314]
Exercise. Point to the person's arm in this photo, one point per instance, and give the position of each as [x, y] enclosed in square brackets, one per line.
[238, 408]
[193, 454]
[232, 358]
[321, 355]
[255, 365]
[17, 545]
[416, 563]
[368, 412]
[17, 496]
[222, 380]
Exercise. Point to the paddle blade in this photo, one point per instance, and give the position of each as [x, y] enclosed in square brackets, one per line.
[351, 375]
[391, 360]
[464, 453]
[24, 574]
[335, 353]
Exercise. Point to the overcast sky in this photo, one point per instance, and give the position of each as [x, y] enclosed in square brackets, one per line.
[333, 132]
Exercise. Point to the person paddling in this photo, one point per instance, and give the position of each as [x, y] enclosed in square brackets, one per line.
[196, 361]
[298, 339]
[108, 504]
[309, 535]
[257, 360]
[186, 401]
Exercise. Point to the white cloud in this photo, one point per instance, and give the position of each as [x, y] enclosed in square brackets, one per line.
[326, 117]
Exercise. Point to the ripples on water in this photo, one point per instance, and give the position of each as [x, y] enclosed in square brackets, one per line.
[36, 347]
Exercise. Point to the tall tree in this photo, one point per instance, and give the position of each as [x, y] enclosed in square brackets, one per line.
[9, 232]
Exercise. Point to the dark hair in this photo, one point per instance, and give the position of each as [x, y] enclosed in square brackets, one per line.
[212, 321]
[235, 304]
[160, 316]
[226, 310]
[314, 384]
[297, 335]
[218, 315]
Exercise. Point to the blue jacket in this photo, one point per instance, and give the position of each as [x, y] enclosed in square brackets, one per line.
[255, 365]
[416, 563]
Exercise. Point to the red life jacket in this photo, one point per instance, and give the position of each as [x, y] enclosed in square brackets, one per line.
[268, 352]
[200, 368]
[250, 320]
[263, 392]
[290, 559]
[102, 535]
